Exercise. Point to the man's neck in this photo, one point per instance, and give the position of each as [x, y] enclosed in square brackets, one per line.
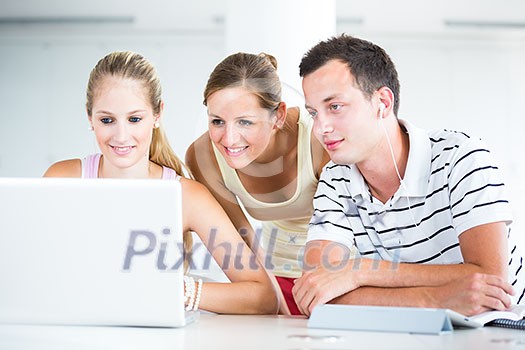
[380, 173]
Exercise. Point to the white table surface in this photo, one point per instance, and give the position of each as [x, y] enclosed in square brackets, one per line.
[248, 332]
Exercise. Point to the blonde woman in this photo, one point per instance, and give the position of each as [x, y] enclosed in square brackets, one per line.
[124, 108]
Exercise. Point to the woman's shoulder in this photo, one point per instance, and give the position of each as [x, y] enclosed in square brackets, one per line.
[194, 190]
[201, 161]
[319, 155]
[198, 149]
[65, 168]
[190, 184]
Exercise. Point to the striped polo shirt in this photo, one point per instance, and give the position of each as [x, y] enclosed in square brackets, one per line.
[451, 184]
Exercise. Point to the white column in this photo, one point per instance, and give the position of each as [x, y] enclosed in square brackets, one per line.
[285, 29]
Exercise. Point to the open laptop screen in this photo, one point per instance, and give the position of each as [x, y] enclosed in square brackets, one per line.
[91, 252]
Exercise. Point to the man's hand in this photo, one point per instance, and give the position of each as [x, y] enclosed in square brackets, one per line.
[474, 294]
[321, 285]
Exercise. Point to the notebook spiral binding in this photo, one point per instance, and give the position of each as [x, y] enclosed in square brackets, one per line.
[505, 323]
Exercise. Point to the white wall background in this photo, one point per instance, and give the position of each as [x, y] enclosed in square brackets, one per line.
[42, 91]
[460, 65]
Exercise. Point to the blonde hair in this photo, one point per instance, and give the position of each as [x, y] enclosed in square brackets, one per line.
[257, 73]
[130, 65]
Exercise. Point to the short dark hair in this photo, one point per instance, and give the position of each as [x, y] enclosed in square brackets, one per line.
[370, 65]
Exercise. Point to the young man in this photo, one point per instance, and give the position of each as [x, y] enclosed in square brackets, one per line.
[402, 216]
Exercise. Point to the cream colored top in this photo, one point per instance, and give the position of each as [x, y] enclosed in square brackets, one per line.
[284, 224]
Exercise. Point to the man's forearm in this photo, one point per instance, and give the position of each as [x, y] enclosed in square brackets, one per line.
[380, 273]
[407, 297]
[469, 295]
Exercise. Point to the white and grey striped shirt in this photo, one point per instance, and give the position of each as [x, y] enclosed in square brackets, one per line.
[451, 184]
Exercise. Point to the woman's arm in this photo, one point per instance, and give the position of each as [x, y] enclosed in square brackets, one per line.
[251, 290]
[201, 161]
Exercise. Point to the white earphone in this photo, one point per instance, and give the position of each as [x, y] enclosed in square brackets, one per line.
[381, 110]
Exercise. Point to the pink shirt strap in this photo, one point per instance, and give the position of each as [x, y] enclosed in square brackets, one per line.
[91, 163]
[90, 166]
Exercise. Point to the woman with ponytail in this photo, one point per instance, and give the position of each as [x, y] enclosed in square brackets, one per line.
[260, 154]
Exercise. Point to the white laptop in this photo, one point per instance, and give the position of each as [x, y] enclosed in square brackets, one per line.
[91, 252]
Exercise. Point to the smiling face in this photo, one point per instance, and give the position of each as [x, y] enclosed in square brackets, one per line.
[345, 120]
[238, 126]
[123, 122]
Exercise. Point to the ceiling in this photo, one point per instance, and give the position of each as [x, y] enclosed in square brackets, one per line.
[209, 15]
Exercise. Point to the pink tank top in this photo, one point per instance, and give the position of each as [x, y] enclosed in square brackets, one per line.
[90, 168]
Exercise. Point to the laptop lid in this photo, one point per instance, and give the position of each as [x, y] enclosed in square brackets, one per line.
[91, 252]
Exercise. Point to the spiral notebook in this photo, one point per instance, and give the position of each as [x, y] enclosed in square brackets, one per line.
[512, 318]
[506, 323]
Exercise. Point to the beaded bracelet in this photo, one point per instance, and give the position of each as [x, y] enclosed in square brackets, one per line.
[198, 295]
[189, 292]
